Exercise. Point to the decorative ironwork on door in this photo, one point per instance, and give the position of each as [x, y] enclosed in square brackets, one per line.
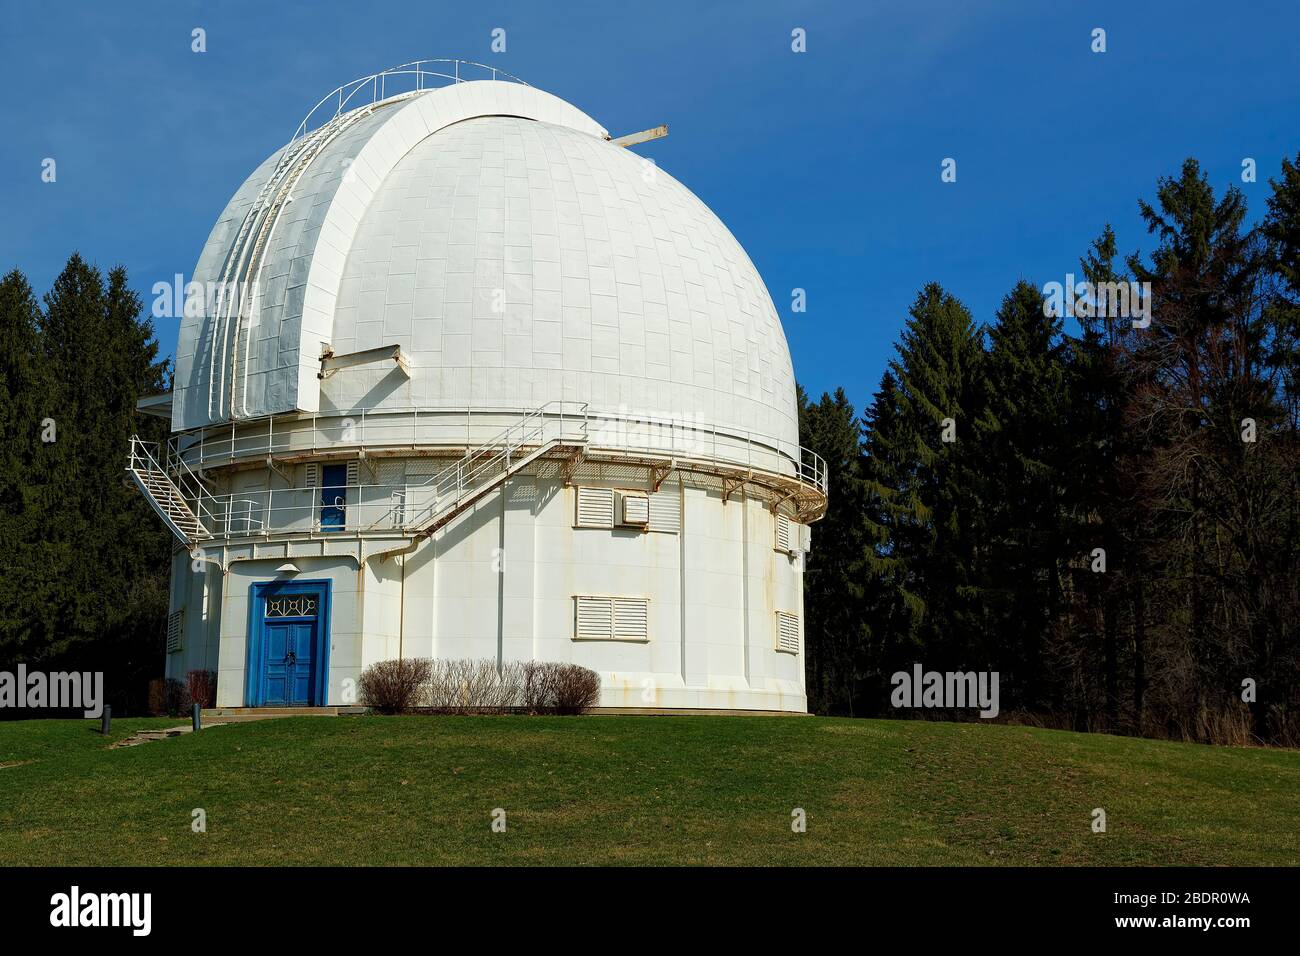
[291, 605]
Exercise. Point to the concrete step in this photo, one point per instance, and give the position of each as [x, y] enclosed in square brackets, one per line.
[229, 713]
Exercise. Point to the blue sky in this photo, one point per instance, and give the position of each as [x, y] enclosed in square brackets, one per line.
[825, 165]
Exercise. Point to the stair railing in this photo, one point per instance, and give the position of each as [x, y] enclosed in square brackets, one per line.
[497, 455]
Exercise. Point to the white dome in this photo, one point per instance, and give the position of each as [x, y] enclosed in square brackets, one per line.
[516, 259]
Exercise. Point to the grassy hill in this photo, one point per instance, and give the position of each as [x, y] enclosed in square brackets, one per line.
[636, 790]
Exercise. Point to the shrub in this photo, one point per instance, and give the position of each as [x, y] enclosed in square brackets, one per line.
[474, 687]
[551, 688]
[477, 687]
[396, 687]
[168, 698]
[157, 696]
[202, 686]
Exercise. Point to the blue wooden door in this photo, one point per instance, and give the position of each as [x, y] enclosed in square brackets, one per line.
[333, 497]
[290, 664]
[288, 647]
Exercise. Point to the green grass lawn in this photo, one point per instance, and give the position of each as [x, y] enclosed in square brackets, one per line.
[636, 790]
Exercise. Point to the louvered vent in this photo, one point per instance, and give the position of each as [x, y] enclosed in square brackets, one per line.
[635, 509]
[787, 632]
[311, 475]
[666, 511]
[352, 472]
[595, 507]
[631, 619]
[594, 617]
[782, 533]
[175, 624]
[600, 618]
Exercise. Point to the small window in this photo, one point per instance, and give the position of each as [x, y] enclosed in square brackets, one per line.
[787, 632]
[595, 507]
[603, 618]
[175, 628]
[291, 605]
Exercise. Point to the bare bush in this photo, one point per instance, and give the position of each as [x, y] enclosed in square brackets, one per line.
[202, 686]
[551, 688]
[396, 687]
[474, 687]
[478, 687]
[168, 697]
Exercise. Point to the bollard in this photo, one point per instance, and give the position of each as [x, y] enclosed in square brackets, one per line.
[196, 717]
[106, 720]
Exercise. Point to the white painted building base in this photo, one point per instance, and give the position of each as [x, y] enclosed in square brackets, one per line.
[499, 583]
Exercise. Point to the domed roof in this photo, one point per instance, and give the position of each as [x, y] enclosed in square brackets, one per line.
[515, 255]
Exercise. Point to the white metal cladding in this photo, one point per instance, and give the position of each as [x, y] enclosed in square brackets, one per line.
[595, 507]
[666, 510]
[515, 260]
[602, 617]
[787, 632]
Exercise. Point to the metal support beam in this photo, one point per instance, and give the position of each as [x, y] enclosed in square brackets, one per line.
[632, 139]
[331, 363]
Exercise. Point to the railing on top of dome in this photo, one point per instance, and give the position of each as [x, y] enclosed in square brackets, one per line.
[404, 79]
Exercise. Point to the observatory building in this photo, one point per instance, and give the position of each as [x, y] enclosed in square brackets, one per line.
[460, 376]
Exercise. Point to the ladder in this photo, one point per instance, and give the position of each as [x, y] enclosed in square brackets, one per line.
[555, 426]
[163, 495]
[241, 273]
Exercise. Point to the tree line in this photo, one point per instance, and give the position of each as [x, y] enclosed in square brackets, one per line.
[1106, 514]
[85, 583]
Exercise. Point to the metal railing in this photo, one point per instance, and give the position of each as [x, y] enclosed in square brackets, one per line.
[423, 431]
[216, 514]
[552, 423]
[405, 79]
[484, 453]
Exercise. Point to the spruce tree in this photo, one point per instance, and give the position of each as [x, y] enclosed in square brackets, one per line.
[934, 502]
[25, 499]
[833, 633]
[1017, 455]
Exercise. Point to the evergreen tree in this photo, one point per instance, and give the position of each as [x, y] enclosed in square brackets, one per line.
[893, 612]
[933, 499]
[25, 403]
[833, 636]
[1205, 366]
[102, 551]
[1018, 454]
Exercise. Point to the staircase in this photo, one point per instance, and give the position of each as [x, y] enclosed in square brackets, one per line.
[163, 495]
[546, 430]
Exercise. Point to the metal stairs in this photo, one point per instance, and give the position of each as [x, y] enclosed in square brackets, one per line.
[543, 431]
[163, 495]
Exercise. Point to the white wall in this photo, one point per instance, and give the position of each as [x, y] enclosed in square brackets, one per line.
[498, 582]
